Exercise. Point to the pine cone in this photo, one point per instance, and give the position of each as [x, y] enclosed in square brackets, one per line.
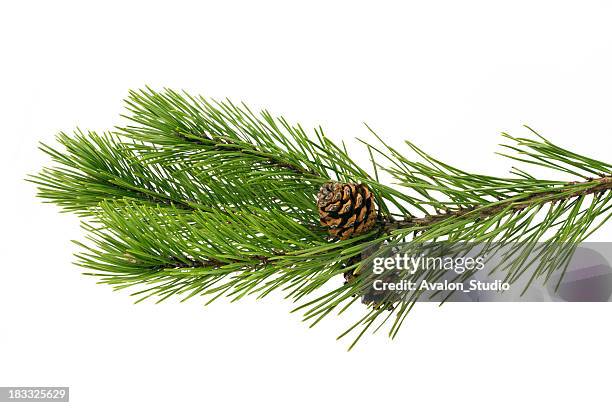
[347, 209]
[381, 298]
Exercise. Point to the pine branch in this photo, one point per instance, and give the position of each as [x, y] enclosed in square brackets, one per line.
[183, 128]
[95, 168]
[253, 251]
[196, 197]
[514, 204]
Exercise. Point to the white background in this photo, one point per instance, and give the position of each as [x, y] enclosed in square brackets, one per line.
[450, 76]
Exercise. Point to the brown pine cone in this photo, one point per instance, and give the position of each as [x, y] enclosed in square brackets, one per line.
[347, 209]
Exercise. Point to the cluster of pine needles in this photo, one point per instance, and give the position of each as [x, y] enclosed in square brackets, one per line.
[197, 197]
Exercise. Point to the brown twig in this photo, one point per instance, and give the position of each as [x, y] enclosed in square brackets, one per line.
[517, 203]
